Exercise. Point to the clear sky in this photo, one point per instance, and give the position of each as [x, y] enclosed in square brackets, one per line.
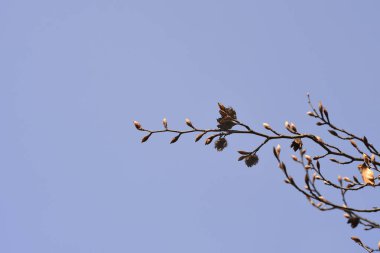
[75, 74]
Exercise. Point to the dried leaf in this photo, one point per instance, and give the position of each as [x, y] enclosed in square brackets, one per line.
[367, 174]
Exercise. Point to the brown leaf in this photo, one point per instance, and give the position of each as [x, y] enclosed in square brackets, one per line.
[367, 174]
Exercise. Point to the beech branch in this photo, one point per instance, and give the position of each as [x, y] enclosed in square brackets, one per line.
[363, 155]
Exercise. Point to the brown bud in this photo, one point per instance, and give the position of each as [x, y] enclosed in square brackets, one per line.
[175, 139]
[365, 158]
[308, 158]
[145, 138]
[137, 125]
[332, 132]
[278, 150]
[353, 143]
[267, 126]
[188, 122]
[209, 139]
[165, 123]
[356, 239]
[295, 158]
[320, 107]
[293, 127]
[312, 114]
[347, 180]
[199, 136]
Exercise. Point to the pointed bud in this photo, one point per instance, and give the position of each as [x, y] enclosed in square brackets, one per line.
[353, 143]
[137, 125]
[267, 126]
[145, 138]
[188, 122]
[199, 136]
[175, 139]
[308, 158]
[356, 239]
[165, 123]
[332, 132]
[311, 114]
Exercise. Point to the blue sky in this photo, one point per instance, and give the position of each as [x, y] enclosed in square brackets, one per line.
[75, 74]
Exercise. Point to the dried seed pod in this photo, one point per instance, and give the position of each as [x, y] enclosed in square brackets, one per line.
[251, 160]
[221, 144]
[296, 144]
[354, 221]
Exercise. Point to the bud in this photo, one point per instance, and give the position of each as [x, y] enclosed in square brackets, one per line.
[175, 139]
[365, 158]
[293, 127]
[199, 136]
[165, 123]
[312, 114]
[340, 179]
[278, 150]
[137, 125]
[188, 122]
[320, 107]
[294, 158]
[347, 180]
[267, 126]
[353, 143]
[308, 158]
[145, 138]
[319, 139]
[356, 239]
[332, 132]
